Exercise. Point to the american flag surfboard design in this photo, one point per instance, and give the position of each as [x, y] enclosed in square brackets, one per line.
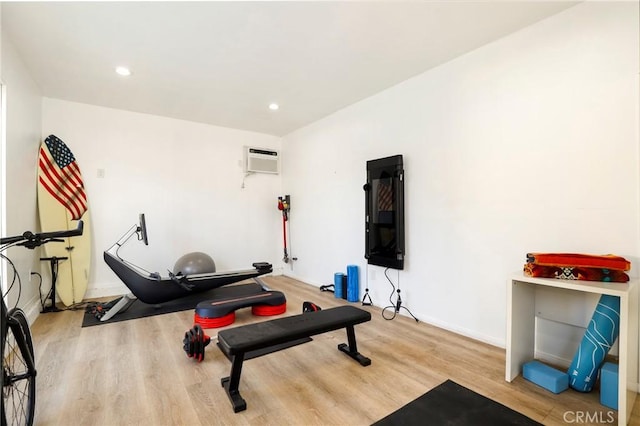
[61, 177]
[62, 200]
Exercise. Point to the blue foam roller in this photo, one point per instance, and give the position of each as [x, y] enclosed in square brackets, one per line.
[337, 283]
[353, 285]
[600, 335]
[553, 380]
[609, 385]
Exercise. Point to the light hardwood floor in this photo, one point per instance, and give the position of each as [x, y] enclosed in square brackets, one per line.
[136, 373]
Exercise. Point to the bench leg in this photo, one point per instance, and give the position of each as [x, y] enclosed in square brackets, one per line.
[232, 383]
[352, 348]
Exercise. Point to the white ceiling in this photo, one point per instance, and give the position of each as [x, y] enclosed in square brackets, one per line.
[223, 63]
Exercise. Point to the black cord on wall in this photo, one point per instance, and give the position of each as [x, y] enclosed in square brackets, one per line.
[395, 307]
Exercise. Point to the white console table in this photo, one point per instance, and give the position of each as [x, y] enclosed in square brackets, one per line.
[521, 315]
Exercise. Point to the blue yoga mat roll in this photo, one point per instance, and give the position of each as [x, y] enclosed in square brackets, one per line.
[600, 335]
[337, 283]
[353, 285]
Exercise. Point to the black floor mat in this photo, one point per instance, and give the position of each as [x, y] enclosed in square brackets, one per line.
[454, 405]
[140, 310]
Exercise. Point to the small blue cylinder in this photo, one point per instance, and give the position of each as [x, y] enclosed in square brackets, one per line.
[353, 286]
[337, 282]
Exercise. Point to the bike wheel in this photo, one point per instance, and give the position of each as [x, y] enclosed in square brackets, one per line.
[18, 372]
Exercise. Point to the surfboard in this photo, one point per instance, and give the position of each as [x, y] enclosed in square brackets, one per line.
[62, 201]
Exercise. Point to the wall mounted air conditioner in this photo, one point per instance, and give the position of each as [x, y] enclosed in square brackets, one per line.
[261, 160]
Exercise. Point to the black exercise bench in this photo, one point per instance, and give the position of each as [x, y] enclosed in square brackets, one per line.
[235, 343]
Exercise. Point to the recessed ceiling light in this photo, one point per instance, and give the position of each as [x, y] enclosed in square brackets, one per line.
[124, 71]
[274, 107]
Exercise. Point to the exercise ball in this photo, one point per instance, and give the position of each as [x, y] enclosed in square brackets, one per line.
[194, 263]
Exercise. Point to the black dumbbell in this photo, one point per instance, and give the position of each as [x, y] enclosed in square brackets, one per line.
[310, 307]
[194, 343]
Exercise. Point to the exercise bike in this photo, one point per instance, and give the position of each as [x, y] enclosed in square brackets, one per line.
[18, 360]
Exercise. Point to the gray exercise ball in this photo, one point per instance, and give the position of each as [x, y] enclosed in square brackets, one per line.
[194, 263]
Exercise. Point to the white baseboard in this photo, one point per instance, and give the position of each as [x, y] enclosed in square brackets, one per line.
[303, 279]
[461, 331]
[32, 310]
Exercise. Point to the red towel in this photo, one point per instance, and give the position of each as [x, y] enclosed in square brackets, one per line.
[606, 261]
[575, 273]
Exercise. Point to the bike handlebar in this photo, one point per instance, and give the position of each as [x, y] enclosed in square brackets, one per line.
[31, 240]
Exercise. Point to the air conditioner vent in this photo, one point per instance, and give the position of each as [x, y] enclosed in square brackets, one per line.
[261, 160]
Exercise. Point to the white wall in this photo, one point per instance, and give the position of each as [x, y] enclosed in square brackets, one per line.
[186, 177]
[527, 144]
[23, 124]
